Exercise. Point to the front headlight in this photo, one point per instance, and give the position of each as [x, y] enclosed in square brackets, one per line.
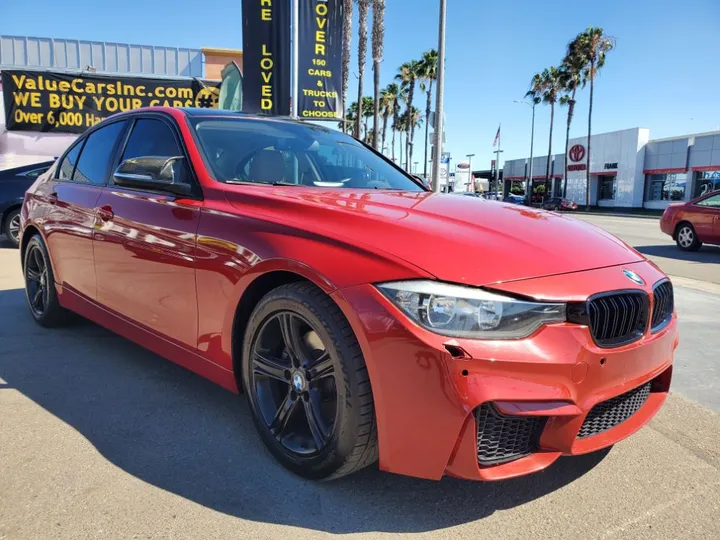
[454, 310]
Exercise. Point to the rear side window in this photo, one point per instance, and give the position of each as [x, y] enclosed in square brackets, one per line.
[65, 171]
[94, 164]
[151, 138]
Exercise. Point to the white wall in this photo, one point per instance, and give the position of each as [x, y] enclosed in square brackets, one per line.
[19, 148]
[627, 149]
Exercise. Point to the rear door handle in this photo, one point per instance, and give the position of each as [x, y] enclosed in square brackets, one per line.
[52, 198]
[105, 212]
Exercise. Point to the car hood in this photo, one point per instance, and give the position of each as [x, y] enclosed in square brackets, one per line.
[458, 239]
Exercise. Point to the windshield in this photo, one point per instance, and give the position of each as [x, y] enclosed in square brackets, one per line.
[240, 150]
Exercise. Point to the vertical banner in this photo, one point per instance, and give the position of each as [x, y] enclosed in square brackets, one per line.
[320, 59]
[266, 57]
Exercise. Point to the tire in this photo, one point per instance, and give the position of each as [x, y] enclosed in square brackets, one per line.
[333, 388]
[686, 238]
[12, 227]
[40, 286]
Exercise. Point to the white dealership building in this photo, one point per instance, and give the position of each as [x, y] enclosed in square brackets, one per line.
[627, 169]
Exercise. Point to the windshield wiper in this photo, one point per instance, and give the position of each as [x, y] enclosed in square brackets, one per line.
[249, 183]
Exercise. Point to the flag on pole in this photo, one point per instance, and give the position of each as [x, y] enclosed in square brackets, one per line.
[497, 137]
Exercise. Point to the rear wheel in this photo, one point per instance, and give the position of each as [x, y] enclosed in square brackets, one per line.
[307, 384]
[40, 286]
[686, 238]
[12, 227]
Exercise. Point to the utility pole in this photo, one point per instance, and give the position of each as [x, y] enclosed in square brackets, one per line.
[295, 55]
[439, 97]
[471, 183]
[528, 184]
[497, 166]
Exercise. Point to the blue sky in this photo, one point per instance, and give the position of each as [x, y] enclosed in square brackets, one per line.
[663, 74]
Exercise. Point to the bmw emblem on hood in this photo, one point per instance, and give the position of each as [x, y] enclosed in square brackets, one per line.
[632, 276]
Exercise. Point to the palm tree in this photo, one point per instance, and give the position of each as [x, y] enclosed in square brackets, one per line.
[592, 47]
[368, 107]
[407, 123]
[428, 74]
[362, 50]
[350, 117]
[387, 104]
[407, 76]
[378, 36]
[399, 126]
[347, 42]
[401, 97]
[571, 73]
[548, 85]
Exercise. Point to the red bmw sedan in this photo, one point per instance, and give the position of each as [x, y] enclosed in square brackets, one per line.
[364, 317]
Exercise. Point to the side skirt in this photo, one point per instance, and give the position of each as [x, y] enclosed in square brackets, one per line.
[147, 339]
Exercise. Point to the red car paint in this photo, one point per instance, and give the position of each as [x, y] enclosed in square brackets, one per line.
[704, 219]
[170, 272]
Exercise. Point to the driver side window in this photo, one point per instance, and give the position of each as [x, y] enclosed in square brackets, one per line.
[151, 137]
[712, 202]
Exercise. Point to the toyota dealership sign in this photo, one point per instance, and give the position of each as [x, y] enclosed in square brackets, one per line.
[576, 155]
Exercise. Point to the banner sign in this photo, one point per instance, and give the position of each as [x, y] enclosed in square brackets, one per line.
[320, 46]
[70, 103]
[266, 56]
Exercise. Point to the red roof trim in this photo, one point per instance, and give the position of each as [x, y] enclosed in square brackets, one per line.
[664, 171]
[706, 169]
[604, 173]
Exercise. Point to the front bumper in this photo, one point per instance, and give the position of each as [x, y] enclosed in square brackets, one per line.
[666, 225]
[427, 387]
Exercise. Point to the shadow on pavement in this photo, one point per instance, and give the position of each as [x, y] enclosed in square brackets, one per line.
[707, 254]
[174, 430]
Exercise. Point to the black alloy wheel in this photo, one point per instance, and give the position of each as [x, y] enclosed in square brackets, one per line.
[307, 384]
[294, 382]
[37, 280]
[40, 285]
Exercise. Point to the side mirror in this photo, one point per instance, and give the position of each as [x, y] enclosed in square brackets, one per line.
[151, 172]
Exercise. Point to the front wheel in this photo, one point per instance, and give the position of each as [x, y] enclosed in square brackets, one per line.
[307, 384]
[686, 238]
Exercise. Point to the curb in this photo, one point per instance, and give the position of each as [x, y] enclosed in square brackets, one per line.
[614, 214]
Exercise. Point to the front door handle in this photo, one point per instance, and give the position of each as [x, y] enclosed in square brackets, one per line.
[105, 212]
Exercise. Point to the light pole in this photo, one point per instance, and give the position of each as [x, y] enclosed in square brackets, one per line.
[470, 176]
[415, 164]
[439, 97]
[532, 140]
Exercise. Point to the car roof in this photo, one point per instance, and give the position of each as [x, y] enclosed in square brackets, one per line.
[197, 112]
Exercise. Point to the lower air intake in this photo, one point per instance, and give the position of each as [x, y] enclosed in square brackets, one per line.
[608, 414]
[502, 438]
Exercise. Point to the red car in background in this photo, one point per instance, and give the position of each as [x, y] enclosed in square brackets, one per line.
[363, 316]
[693, 223]
[558, 203]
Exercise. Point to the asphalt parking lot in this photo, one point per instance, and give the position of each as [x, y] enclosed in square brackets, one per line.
[644, 235]
[102, 439]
